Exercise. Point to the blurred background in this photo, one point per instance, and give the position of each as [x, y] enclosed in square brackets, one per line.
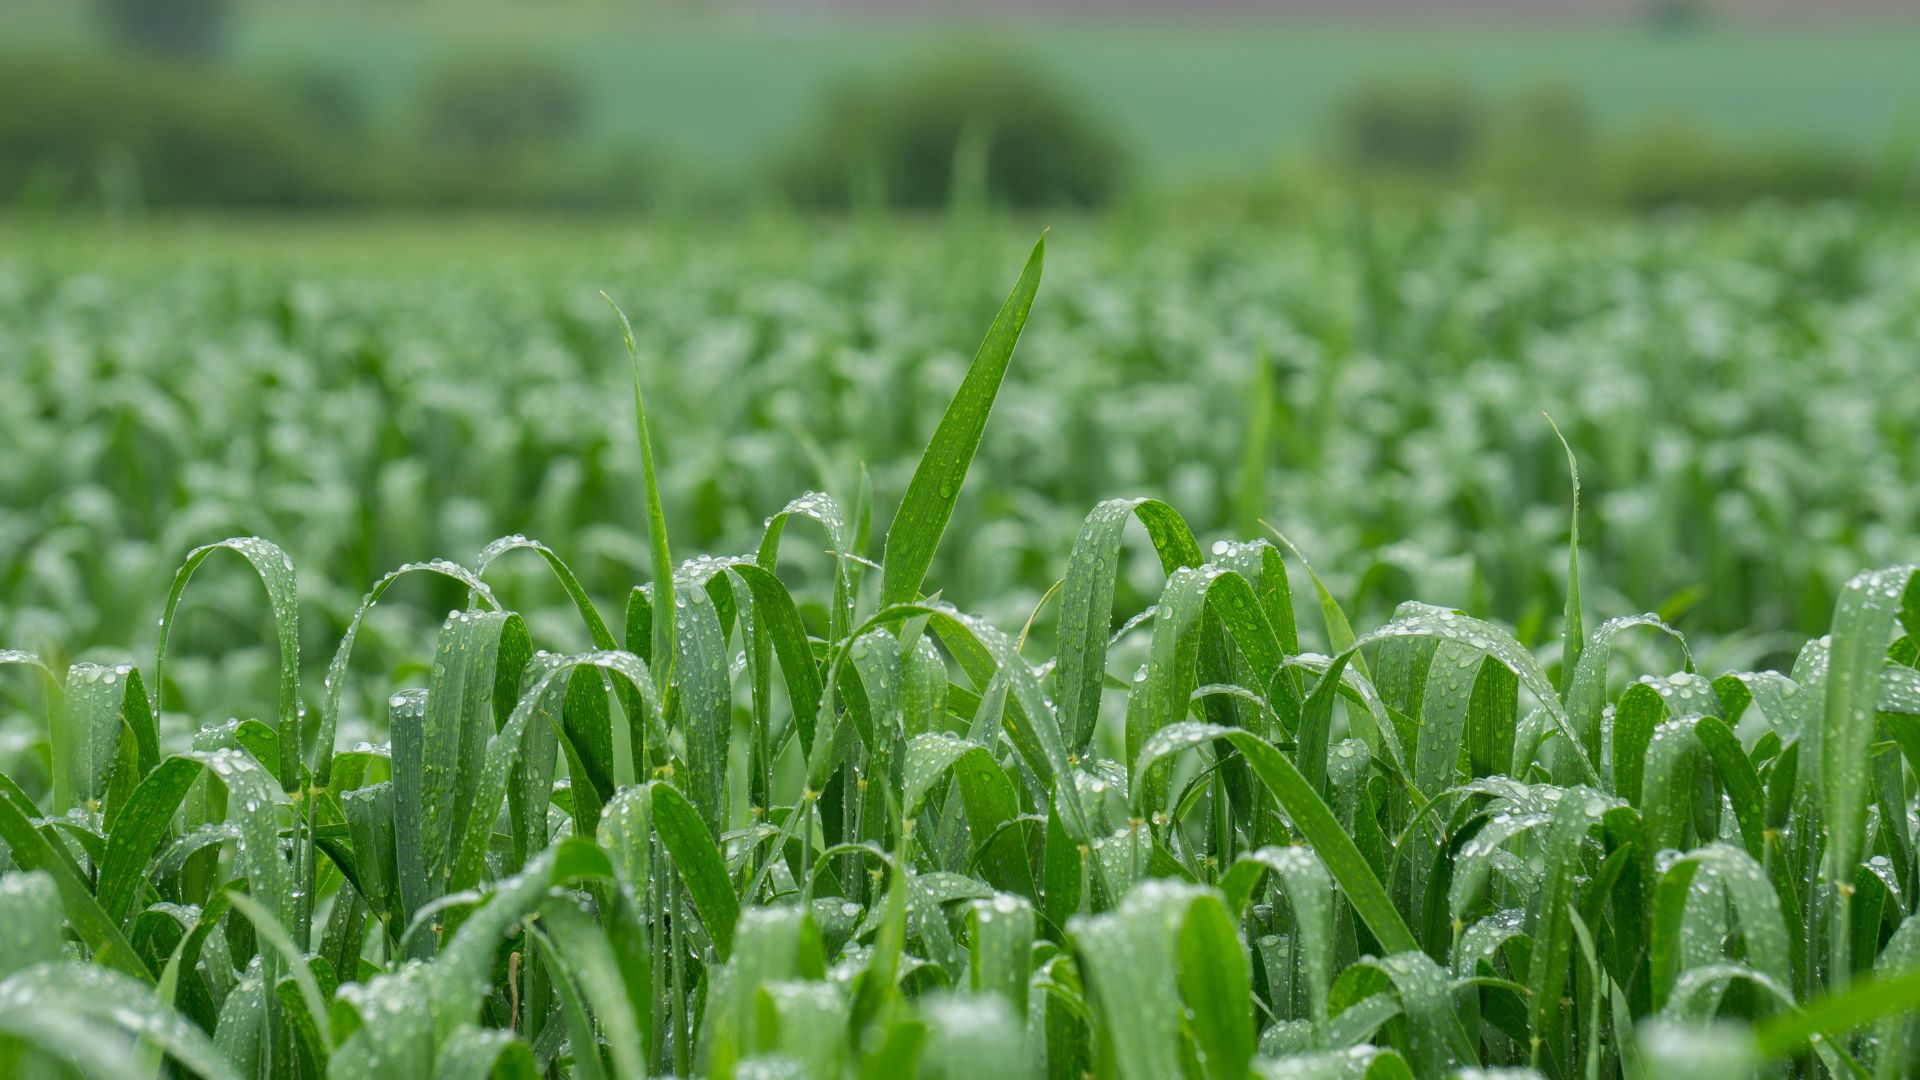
[137, 105]
[328, 271]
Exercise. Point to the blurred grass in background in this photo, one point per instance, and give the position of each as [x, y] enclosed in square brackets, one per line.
[1739, 389]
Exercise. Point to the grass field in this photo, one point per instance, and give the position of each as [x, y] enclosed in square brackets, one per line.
[964, 744]
[1197, 97]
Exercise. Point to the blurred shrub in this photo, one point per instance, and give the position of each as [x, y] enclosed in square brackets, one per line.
[1540, 145]
[512, 132]
[180, 28]
[1427, 124]
[492, 107]
[178, 136]
[323, 99]
[990, 124]
[1543, 142]
[123, 134]
[1678, 162]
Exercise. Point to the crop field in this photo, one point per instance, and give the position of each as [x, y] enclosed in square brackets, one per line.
[1394, 643]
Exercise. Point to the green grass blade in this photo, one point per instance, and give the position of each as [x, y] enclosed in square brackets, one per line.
[1836, 1014]
[596, 626]
[1217, 985]
[573, 1010]
[589, 960]
[1340, 636]
[30, 918]
[63, 1008]
[686, 838]
[336, 678]
[1573, 635]
[1863, 623]
[145, 821]
[31, 850]
[703, 701]
[86, 737]
[275, 569]
[663, 606]
[1310, 815]
[275, 935]
[935, 486]
[1086, 601]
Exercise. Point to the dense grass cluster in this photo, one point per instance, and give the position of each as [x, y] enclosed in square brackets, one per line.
[1740, 390]
[767, 825]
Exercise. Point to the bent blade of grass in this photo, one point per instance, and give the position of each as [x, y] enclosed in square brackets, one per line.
[336, 677]
[1086, 601]
[1881, 995]
[1311, 817]
[52, 1004]
[275, 569]
[1340, 636]
[935, 486]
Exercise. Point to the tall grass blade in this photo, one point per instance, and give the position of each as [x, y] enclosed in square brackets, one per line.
[935, 487]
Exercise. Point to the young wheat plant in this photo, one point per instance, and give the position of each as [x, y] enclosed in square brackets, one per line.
[753, 835]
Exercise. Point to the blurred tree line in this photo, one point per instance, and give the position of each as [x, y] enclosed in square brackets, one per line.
[158, 125]
[1542, 144]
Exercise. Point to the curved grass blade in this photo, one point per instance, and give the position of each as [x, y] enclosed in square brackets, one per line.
[596, 626]
[336, 676]
[1086, 601]
[63, 1008]
[1309, 814]
[275, 569]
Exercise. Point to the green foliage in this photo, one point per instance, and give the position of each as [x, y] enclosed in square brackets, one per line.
[1542, 145]
[387, 393]
[491, 106]
[953, 128]
[1299, 865]
[1428, 125]
[128, 134]
[1680, 162]
[188, 29]
[131, 131]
